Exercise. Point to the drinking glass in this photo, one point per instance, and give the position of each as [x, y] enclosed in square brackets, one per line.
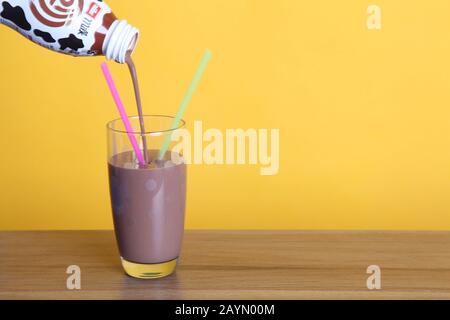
[147, 199]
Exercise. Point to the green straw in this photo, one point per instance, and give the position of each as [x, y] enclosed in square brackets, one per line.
[187, 97]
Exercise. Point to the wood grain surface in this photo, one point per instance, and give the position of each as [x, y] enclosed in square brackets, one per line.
[232, 265]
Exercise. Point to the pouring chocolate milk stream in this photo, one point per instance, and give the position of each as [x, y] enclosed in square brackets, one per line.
[79, 28]
[137, 94]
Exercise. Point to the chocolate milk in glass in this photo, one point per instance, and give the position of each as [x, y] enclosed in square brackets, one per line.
[148, 207]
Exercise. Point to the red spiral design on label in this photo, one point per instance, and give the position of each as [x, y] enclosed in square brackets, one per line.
[56, 13]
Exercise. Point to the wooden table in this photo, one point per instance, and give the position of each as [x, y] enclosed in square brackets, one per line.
[232, 265]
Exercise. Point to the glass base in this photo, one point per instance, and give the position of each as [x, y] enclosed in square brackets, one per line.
[150, 270]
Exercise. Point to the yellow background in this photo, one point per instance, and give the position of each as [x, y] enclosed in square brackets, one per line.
[364, 116]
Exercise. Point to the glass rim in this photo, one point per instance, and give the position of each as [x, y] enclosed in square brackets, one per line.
[110, 123]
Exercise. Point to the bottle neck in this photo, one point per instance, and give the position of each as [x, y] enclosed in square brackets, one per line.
[120, 39]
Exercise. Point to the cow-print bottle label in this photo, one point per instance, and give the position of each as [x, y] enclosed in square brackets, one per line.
[76, 27]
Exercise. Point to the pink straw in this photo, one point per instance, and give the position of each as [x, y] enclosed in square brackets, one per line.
[123, 114]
